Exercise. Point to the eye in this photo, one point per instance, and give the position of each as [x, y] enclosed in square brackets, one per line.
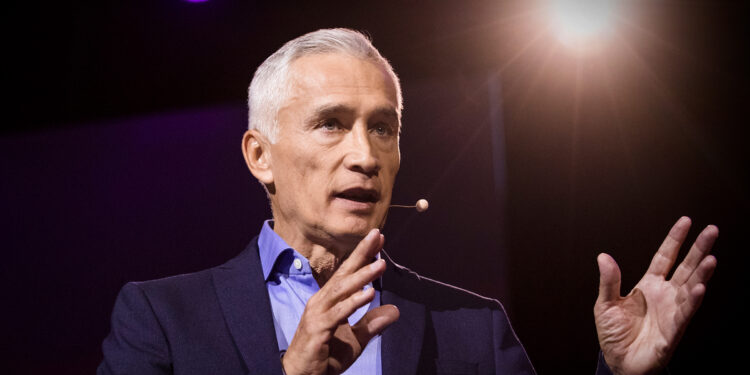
[382, 129]
[330, 125]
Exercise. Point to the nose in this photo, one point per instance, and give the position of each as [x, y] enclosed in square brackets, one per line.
[360, 155]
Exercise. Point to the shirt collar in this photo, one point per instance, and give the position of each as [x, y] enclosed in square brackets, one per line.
[270, 247]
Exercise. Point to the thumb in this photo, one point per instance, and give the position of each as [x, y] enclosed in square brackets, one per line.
[374, 322]
[609, 278]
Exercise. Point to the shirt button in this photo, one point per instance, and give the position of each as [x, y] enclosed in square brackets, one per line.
[297, 264]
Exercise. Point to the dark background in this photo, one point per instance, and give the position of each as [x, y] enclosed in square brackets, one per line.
[121, 158]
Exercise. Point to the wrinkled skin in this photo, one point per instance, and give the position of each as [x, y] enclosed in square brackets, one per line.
[639, 332]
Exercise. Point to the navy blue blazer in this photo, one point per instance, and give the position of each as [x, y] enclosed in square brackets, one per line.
[219, 321]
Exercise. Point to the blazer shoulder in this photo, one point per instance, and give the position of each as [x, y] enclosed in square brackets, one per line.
[192, 286]
[174, 282]
[241, 260]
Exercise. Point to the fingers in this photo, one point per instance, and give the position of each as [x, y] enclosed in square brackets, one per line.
[609, 278]
[667, 254]
[694, 299]
[363, 253]
[374, 322]
[354, 273]
[696, 256]
[341, 287]
[348, 306]
[702, 273]
[695, 284]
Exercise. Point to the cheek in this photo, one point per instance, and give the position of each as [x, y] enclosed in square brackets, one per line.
[308, 179]
[394, 162]
[291, 171]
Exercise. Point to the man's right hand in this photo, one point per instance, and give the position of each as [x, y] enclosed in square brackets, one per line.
[324, 342]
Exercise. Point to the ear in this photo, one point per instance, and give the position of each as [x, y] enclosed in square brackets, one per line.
[257, 152]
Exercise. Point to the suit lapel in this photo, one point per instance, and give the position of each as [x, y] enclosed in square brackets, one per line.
[243, 297]
[402, 341]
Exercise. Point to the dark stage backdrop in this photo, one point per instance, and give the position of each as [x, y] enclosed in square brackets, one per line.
[120, 159]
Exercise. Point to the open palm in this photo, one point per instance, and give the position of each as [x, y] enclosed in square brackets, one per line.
[639, 332]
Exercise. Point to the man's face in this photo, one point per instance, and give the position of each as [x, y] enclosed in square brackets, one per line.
[337, 153]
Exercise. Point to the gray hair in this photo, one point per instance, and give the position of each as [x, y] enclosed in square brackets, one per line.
[270, 87]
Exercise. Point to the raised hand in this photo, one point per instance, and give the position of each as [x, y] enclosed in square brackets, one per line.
[324, 342]
[639, 332]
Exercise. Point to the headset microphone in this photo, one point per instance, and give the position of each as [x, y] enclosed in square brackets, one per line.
[421, 205]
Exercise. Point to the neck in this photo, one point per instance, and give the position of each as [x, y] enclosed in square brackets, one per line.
[323, 263]
[324, 253]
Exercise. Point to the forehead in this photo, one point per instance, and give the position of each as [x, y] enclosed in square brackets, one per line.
[319, 78]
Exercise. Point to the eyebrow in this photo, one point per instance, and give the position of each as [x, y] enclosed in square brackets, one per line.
[333, 109]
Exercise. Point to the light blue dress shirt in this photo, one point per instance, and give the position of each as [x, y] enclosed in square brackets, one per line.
[290, 284]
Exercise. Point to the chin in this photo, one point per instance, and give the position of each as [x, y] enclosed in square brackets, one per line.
[354, 228]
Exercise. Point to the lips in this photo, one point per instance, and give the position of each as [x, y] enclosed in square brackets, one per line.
[358, 194]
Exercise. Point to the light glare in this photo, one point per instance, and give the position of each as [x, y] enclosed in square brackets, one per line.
[581, 23]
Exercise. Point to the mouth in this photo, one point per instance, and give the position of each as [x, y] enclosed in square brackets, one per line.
[359, 195]
[358, 200]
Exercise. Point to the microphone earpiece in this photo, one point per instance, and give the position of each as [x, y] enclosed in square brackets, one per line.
[421, 206]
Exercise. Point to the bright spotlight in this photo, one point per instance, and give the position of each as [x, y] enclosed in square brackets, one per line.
[581, 24]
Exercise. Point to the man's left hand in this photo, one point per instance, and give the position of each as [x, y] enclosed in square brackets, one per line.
[639, 332]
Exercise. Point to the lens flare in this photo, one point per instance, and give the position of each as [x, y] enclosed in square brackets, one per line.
[581, 24]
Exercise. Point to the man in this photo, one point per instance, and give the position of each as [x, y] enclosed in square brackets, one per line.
[315, 294]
